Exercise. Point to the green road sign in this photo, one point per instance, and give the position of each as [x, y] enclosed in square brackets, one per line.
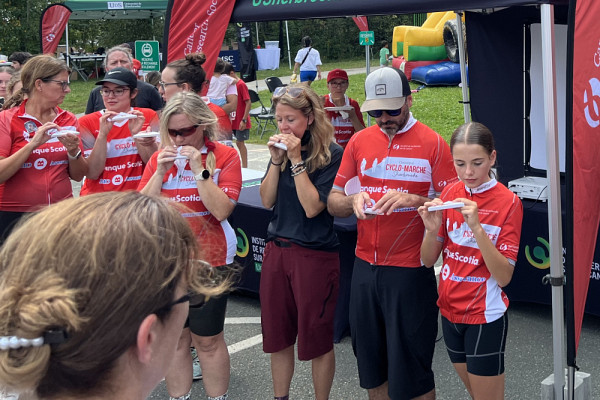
[366, 38]
[146, 51]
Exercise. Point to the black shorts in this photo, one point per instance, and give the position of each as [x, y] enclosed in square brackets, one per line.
[208, 319]
[480, 346]
[393, 319]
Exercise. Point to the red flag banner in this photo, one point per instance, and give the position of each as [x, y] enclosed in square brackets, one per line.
[362, 23]
[586, 142]
[52, 25]
[193, 26]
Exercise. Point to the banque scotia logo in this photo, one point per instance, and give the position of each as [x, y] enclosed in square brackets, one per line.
[590, 98]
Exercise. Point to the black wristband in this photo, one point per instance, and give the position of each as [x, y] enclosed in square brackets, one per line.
[277, 165]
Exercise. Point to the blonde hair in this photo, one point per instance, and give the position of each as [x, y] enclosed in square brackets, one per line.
[196, 110]
[15, 78]
[41, 67]
[321, 129]
[95, 267]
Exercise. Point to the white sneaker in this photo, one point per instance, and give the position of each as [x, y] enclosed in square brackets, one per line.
[197, 370]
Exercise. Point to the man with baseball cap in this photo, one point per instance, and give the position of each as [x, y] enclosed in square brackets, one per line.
[343, 111]
[148, 96]
[400, 163]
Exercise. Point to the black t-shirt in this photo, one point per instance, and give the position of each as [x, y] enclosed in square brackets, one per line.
[289, 218]
[147, 97]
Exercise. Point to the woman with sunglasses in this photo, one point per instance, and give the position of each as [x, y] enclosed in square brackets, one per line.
[116, 156]
[92, 305]
[300, 271]
[37, 161]
[205, 176]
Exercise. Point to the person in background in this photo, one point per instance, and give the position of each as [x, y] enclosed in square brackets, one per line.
[221, 84]
[240, 120]
[187, 74]
[399, 163]
[121, 57]
[300, 272]
[208, 182]
[18, 59]
[384, 54]
[345, 122]
[116, 157]
[13, 86]
[485, 231]
[94, 292]
[153, 78]
[36, 167]
[308, 61]
[6, 74]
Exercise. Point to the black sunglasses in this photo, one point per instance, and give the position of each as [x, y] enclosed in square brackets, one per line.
[185, 132]
[379, 113]
[195, 300]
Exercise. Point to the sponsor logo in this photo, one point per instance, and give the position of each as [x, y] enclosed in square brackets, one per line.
[27, 165]
[591, 103]
[30, 126]
[104, 181]
[380, 90]
[445, 271]
[40, 163]
[133, 178]
[117, 180]
[471, 279]
[455, 255]
[242, 243]
[50, 37]
[539, 257]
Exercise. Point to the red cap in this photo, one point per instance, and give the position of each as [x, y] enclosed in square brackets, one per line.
[337, 74]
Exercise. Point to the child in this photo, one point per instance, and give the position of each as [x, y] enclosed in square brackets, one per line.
[384, 54]
[480, 242]
[240, 119]
[220, 84]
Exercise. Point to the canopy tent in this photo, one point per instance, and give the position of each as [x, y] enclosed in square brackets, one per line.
[104, 9]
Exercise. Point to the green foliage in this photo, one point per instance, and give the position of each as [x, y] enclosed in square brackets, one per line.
[19, 25]
[77, 99]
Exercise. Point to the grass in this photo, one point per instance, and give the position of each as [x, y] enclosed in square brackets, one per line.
[437, 107]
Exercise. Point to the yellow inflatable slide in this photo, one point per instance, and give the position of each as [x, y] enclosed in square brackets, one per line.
[424, 43]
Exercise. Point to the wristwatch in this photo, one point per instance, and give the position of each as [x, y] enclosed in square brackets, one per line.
[244, 120]
[75, 157]
[202, 176]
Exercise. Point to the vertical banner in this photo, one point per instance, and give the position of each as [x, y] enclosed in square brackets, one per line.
[586, 142]
[52, 25]
[192, 26]
[361, 22]
[248, 62]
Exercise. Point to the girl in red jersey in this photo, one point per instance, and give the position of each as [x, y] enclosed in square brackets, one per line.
[479, 241]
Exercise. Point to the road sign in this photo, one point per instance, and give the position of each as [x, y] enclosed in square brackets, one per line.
[146, 51]
[366, 38]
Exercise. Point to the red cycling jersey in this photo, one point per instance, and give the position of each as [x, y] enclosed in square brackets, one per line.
[343, 128]
[416, 160]
[216, 238]
[44, 177]
[468, 294]
[123, 167]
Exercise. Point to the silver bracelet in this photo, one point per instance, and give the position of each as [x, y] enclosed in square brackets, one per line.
[294, 166]
[295, 173]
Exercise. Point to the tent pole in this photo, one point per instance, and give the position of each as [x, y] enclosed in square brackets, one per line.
[287, 35]
[257, 41]
[67, 58]
[554, 207]
[463, 68]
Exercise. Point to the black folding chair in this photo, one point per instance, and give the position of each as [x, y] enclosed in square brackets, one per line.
[273, 83]
[262, 115]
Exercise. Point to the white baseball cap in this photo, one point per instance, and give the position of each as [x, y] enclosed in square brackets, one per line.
[385, 89]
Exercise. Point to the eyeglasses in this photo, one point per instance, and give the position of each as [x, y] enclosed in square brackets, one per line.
[379, 113]
[64, 84]
[293, 92]
[118, 92]
[195, 300]
[163, 85]
[338, 84]
[185, 132]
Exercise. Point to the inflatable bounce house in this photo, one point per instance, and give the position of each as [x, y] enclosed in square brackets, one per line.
[423, 52]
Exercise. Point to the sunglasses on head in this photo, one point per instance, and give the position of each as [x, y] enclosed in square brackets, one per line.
[293, 92]
[185, 132]
[379, 113]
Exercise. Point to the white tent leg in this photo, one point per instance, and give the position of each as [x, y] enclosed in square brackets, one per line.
[67, 58]
[287, 35]
[463, 68]
[554, 208]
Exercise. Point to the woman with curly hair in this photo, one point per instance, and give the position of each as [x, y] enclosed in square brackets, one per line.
[300, 271]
